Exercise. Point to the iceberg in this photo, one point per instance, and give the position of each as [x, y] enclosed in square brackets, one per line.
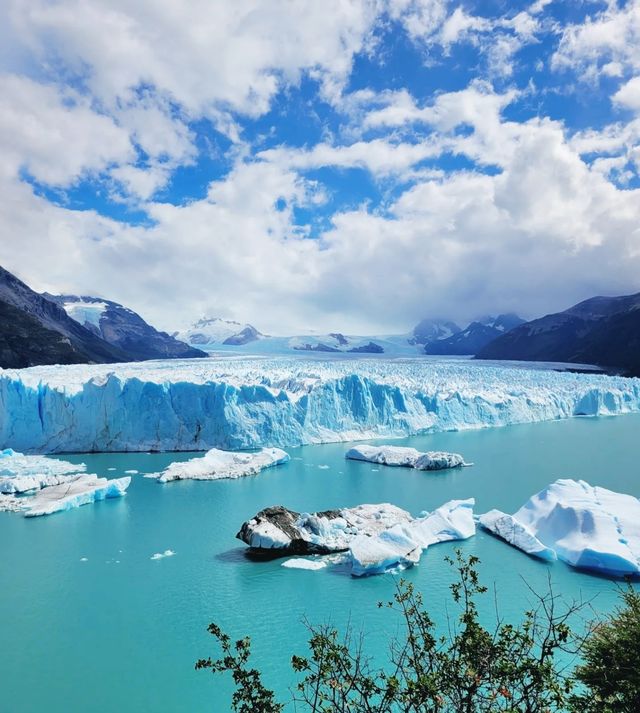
[406, 457]
[374, 538]
[586, 526]
[516, 533]
[302, 563]
[21, 473]
[162, 555]
[77, 491]
[246, 403]
[218, 464]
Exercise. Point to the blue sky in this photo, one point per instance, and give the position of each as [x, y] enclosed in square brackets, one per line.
[351, 164]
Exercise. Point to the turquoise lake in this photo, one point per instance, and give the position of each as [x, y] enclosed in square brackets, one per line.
[120, 632]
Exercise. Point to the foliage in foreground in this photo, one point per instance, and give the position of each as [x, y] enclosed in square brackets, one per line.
[473, 669]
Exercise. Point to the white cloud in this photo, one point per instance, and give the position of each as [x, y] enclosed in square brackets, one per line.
[608, 41]
[55, 136]
[629, 94]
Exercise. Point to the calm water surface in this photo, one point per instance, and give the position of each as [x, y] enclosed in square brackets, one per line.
[120, 632]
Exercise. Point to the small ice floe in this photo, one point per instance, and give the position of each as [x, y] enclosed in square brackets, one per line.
[216, 464]
[111, 469]
[373, 538]
[162, 555]
[302, 563]
[406, 457]
[131, 472]
[324, 467]
[74, 492]
[587, 527]
[84, 559]
[21, 473]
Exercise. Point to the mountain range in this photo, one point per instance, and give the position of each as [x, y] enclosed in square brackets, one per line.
[37, 329]
[68, 329]
[601, 330]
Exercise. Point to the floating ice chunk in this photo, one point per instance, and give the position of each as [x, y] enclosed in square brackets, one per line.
[406, 457]
[21, 473]
[439, 460]
[515, 533]
[84, 559]
[131, 472]
[324, 467]
[77, 491]
[401, 545]
[162, 555]
[375, 538]
[587, 527]
[218, 464]
[302, 563]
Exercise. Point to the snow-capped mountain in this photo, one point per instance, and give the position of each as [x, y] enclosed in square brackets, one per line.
[601, 330]
[123, 328]
[474, 337]
[432, 330]
[35, 330]
[214, 331]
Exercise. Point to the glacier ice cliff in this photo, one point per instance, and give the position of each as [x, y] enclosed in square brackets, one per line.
[217, 464]
[286, 401]
[406, 457]
[374, 538]
[587, 527]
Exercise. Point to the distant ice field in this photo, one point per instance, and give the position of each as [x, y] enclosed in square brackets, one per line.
[251, 402]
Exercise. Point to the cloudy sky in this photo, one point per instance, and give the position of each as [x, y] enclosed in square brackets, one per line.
[334, 164]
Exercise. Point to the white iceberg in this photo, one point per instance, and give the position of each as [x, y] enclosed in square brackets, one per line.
[76, 491]
[588, 527]
[162, 555]
[244, 403]
[21, 473]
[218, 464]
[516, 533]
[403, 544]
[302, 563]
[406, 457]
[374, 538]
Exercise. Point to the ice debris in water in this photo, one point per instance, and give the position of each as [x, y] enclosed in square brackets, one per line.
[162, 555]
[375, 538]
[218, 464]
[586, 526]
[283, 401]
[406, 457]
[303, 563]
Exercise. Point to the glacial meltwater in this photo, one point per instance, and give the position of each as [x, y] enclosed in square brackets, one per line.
[90, 621]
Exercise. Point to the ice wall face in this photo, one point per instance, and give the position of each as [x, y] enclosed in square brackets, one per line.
[250, 403]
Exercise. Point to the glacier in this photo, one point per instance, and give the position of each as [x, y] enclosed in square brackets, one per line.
[586, 526]
[374, 538]
[406, 457]
[217, 464]
[245, 403]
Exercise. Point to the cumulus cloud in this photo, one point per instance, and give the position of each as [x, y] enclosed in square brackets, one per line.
[530, 217]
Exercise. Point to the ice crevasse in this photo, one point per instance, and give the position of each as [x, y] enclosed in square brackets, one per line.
[253, 403]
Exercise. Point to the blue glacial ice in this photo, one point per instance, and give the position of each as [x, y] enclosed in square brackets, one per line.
[587, 527]
[76, 491]
[286, 401]
[21, 473]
